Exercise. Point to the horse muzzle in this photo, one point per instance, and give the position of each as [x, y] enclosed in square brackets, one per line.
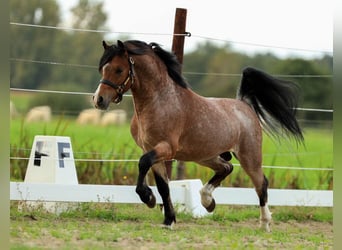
[100, 102]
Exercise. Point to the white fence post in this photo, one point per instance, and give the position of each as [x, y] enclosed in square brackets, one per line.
[192, 199]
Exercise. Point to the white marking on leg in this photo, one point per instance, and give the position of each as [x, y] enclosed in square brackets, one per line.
[206, 197]
[169, 227]
[265, 218]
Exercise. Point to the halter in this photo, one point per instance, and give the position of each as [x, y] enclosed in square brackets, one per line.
[120, 88]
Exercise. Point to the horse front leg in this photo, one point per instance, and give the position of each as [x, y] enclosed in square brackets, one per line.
[160, 175]
[222, 168]
[160, 153]
[144, 192]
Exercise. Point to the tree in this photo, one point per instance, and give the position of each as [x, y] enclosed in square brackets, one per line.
[51, 45]
[315, 92]
[197, 62]
[230, 65]
[31, 43]
[88, 15]
[81, 48]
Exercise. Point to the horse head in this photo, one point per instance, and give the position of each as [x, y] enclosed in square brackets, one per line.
[117, 70]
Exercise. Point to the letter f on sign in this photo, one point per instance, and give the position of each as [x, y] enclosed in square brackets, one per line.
[61, 153]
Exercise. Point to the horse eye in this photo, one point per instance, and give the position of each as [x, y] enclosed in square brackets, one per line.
[118, 71]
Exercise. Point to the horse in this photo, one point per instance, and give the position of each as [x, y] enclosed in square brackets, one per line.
[171, 121]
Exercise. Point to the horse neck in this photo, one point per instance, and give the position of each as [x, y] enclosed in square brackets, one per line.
[152, 82]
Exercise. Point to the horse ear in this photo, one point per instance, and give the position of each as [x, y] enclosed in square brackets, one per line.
[121, 45]
[105, 45]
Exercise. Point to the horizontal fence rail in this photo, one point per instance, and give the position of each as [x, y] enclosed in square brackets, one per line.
[180, 193]
[137, 160]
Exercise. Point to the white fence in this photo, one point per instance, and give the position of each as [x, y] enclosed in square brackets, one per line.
[179, 194]
[184, 193]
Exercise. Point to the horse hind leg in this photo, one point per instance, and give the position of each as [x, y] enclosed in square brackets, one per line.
[265, 214]
[222, 169]
[261, 185]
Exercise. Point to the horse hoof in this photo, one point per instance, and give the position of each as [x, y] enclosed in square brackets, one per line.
[168, 227]
[169, 223]
[152, 202]
[265, 226]
[212, 206]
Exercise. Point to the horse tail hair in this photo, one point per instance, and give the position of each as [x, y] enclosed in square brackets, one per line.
[273, 100]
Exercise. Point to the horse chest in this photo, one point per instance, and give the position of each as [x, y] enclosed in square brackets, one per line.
[149, 134]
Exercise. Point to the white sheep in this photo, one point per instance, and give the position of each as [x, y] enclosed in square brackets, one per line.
[114, 117]
[39, 114]
[89, 116]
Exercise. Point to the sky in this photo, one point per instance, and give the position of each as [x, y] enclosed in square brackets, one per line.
[284, 27]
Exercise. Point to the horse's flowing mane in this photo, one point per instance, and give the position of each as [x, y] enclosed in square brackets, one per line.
[174, 68]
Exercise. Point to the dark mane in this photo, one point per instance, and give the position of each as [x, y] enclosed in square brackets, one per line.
[174, 68]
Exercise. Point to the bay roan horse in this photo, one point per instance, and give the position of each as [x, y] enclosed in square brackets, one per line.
[170, 121]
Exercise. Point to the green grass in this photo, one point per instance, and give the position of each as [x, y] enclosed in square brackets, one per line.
[21, 100]
[117, 226]
[115, 143]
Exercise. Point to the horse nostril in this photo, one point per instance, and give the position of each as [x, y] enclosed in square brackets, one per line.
[100, 100]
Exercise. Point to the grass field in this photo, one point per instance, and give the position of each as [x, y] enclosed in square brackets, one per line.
[118, 226]
[116, 143]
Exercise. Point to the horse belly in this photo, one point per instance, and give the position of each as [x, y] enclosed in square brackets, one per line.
[205, 144]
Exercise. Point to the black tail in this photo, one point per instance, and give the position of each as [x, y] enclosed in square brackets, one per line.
[273, 100]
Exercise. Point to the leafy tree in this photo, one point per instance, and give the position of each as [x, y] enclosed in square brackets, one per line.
[315, 92]
[197, 62]
[31, 43]
[81, 48]
[66, 47]
[88, 15]
[224, 62]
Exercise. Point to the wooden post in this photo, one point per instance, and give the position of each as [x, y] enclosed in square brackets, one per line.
[178, 49]
[179, 28]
